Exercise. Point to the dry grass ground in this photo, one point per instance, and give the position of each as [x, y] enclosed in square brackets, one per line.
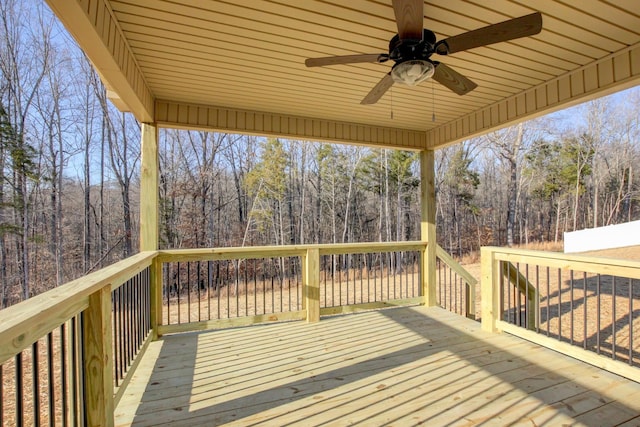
[253, 298]
[631, 252]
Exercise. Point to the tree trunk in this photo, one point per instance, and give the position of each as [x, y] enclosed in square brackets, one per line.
[303, 187]
[4, 285]
[101, 242]
[387, 210]
[511, 203]
[513, 187]
[86, 253]
[557, 222]
[318, 203]
[576, 201]
[125, 192]
[629, 194]
[22, 214]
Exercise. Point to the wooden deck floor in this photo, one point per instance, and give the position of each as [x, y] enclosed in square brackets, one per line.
[402, 367]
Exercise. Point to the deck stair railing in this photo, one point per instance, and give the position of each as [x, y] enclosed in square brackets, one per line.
[455, 286]
[524, 309]
[583, 306]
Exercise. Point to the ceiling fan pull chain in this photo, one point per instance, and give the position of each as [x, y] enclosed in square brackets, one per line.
[391, 96]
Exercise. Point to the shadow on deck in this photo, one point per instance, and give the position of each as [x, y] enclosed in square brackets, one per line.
[404, 366]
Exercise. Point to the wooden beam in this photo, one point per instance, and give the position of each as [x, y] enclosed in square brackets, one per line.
[586, 263]
[428, 225]
[214, 118]
[98, 33]
[580, 85]
[149, 185]
[455, 266]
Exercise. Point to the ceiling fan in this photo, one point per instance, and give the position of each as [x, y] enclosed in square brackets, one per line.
[411, 50]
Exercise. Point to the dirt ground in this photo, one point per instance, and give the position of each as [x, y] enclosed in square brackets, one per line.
[630, 252]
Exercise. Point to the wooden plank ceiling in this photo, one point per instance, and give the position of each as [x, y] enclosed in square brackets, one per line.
[238, 65]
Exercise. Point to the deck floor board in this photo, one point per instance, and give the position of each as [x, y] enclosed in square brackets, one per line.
[401, 366]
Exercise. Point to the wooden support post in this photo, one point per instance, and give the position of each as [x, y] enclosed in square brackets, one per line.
[428, 225]
[312, 285]
[98, 360]
[470, 298]
[149, 185]
[489, 289]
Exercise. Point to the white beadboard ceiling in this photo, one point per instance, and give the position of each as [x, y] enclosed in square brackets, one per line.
[197, 63]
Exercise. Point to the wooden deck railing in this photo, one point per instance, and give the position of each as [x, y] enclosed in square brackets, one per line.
[67, 355]
[86, 337]
[226, 287]
[586, 307]
[368, 276]
[217, 288]
[58, 348]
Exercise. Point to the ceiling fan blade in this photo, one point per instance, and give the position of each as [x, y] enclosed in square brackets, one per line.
[378, 90]
[346, 59]
[527, 25]
[409, 18]
[453, 80]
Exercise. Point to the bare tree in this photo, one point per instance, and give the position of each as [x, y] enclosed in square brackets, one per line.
[122, 134]
[25, 30]
[507, 145]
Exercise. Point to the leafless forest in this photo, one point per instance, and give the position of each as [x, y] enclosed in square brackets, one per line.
[69, 175]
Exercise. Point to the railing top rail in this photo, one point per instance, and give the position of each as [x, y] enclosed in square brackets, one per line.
[584, 263]
[27, 321]
[370, 247]
[455, 266]
[210, 254]
[287, 250]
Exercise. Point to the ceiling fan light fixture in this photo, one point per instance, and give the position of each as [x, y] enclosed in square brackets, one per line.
[412, 72]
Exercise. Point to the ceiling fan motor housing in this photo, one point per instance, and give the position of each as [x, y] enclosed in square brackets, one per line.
[407, 49]
[412, 63]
